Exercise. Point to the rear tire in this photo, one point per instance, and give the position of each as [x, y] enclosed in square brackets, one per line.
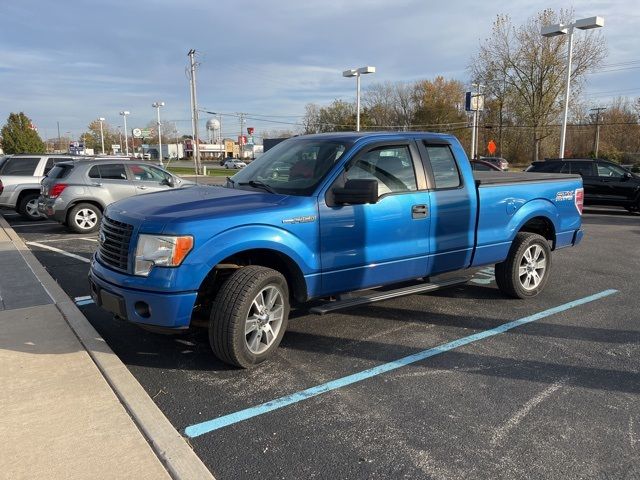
[249, 316]
[84, 218]
[28, 206]
[526, 270]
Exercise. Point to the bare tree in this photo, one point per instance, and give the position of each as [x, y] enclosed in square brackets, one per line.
[527, 71]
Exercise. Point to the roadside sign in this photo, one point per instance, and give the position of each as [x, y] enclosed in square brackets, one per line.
[473, 102]
[491, 147]
[142, 132]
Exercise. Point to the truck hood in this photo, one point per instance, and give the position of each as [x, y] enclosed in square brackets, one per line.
[192, 203]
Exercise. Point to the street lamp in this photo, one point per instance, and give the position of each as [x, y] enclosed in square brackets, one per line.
[157, 106]
[561, 29]
[101, 119]
[126, 136]
[356, 72]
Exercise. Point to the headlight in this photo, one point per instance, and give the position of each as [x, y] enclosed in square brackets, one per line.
[162, 251]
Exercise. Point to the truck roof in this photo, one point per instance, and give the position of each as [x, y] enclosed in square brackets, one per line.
[355, 136]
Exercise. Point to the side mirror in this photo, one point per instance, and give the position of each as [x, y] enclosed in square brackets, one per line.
[627, 175]
[356, 192]
[168, 182]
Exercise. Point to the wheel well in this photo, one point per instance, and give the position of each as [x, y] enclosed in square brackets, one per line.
[542, 226]
[90, 202]
[263, 257]
[25, 192]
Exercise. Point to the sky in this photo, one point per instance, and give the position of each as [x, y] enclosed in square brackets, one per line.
[73, 61]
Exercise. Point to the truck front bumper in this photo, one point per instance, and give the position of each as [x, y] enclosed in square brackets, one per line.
[167, 310]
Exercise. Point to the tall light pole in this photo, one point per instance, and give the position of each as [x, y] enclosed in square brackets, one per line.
[356, 72]
[126, 135]
[157, 106]
[561, 29]
[101, 119]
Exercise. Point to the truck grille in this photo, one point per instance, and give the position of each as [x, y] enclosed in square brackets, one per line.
[114, 241]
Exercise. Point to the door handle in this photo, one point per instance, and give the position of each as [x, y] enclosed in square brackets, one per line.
[419, 211]
[143, 188]
[98, 184]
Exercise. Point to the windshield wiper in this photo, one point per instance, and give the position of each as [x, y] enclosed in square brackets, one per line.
[258, 184]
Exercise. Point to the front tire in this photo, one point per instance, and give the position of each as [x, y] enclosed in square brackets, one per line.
[28, 207]
[526, 270]
[249, 316]
[84, 218]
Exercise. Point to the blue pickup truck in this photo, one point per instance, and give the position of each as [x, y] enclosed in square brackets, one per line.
[327, 221]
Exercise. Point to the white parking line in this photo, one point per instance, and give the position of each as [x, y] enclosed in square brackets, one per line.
[57, 250]
[16, 225]
[65, 239]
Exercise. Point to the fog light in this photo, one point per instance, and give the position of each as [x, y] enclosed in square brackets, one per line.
[142, 309]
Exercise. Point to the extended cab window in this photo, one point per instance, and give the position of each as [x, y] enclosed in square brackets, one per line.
[20, 166]
[391, 167]
[443, 165]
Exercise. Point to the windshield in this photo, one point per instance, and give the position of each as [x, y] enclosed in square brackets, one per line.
[293, 167]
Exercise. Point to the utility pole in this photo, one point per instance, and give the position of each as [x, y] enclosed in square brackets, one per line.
[596, 142]
[194, 112]
[240, 143]
[476, 120]
[59, 139]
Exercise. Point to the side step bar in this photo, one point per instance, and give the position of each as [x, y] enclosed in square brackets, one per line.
[378, 296]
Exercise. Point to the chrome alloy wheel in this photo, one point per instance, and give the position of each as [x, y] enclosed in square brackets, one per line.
[533, 265]
[32, 208]
[86, 218]
[264, 319]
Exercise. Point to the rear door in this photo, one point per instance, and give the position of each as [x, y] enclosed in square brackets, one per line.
[147, 178]
[109, 182]
[453, 207]
[590, 180]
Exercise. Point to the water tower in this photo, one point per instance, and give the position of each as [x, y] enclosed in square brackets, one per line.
[213, 129]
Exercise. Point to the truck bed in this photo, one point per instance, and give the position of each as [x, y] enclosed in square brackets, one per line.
[500, 178]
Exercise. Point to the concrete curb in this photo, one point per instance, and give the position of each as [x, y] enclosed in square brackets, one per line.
[170, 447]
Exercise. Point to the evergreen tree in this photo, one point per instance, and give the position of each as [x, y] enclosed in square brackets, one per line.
[19, 136]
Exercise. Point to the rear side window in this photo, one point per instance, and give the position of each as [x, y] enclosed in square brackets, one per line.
[114, 171]
[549, 167]
[582, 168]
[20, 166]
[443, 165]
[60, 171]
[51, 162]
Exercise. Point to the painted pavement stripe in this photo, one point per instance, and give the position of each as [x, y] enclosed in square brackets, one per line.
[198, 429]
[57, 250]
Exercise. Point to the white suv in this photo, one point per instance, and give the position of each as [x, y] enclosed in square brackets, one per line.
[20, 177]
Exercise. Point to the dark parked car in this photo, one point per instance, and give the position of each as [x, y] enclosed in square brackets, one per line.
[605, 182]
[499, 162]
[482, 166]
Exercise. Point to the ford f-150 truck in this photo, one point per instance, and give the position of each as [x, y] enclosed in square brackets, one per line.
[321, 216]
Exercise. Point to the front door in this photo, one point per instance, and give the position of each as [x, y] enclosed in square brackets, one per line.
[149, 179]
[368, 245]
[616, 189]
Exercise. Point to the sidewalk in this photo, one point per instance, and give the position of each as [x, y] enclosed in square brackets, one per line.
[63, 392]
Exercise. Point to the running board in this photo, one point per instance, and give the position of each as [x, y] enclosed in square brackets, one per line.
[378, 296]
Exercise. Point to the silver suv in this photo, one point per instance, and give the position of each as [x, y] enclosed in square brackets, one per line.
[76, 193]
[20, 177]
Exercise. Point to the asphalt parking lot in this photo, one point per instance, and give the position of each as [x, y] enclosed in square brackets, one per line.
[557, 396]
